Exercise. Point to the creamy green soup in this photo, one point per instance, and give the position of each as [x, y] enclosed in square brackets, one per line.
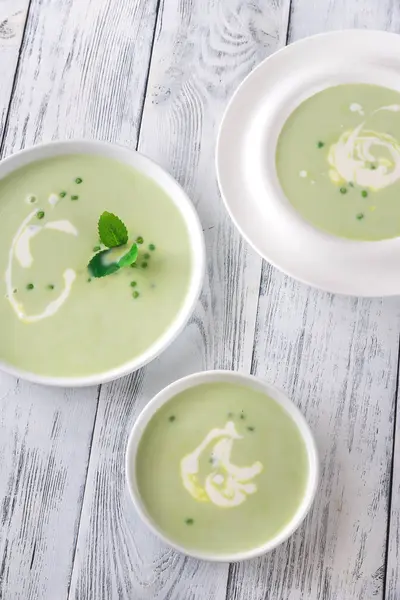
[338, 161]
[221, 468]
[55, 318]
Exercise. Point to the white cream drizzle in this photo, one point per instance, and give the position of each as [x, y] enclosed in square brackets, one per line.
[54, 199]
[20, 249]
[351, 156]
[63, 225]
[355, 107]
[227, 485]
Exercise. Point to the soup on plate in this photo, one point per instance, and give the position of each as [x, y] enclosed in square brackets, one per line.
[96, 264]
[338, 161]
[221, 468]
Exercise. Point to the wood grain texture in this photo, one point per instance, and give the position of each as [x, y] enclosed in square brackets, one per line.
[337, 358]
[12, 21]
[392, 587]
[202, 51]
[82, 71]
[309, 17]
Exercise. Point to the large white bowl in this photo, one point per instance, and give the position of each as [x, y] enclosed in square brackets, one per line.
[185, 207]
[239, 379]
[245, 161]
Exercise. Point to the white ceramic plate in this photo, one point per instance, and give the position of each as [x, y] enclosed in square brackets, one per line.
[188, 212]
[246, 161]
[239, 379]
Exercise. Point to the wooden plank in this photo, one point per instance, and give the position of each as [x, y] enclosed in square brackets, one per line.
[82, 72]
[202, 51]
[337, 358]
[12, 22]
[309, 17]
[392, 587]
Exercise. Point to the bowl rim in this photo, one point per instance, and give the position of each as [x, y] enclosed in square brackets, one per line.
[256, 383]
[163, 179]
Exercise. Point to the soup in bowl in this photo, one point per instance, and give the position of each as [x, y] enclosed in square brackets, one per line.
[102, 261]
[338, 161]
[221, 466]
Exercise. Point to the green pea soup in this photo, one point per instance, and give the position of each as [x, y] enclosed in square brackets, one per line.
[58, 320]
[338, 161]
[221, 468]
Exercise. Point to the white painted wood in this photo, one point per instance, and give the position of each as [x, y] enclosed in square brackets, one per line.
[203, 50]
[309, 17]
[82, 71]
[12, 21]
[337, 358]
[393, 549]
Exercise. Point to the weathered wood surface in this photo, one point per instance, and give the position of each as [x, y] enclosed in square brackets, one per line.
[12, 22]
[82, 72]
[67, 525]
[393, 542]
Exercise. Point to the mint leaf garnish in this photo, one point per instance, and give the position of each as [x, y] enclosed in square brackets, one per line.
[112, 231]
[99, 268]
[129, 258]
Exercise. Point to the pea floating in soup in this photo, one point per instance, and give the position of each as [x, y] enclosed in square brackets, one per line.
[221, 468]
[57, 318]
[338, 161]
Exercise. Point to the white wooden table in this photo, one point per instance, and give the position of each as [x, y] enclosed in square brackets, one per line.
[157, 75]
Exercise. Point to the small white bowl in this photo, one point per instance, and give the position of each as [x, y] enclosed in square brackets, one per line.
[182, 202]
[240, 379]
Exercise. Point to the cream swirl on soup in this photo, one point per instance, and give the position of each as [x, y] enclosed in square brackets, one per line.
[364, 156]
[21, 251]
[227, 485]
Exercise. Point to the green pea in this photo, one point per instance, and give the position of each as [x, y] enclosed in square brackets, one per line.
[133, 284]
[320, 144]
[364, 193]
[74, 197]
[40, 214]
[30, 286]
[144, 265]
[152, 247]
[360, 216]
[343, 190]
[96, 248]
[63, 194]
[250, 428]
[135, 294]
[78, 180]
[146, 256]
[139, 240]
[172, 418]
[50, 286]
[189, 521]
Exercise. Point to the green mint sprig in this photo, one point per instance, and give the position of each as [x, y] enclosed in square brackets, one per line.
[113, 234]
[112, 231]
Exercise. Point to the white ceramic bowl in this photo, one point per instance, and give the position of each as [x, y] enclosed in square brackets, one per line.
[185, 207]
[240, 379]
[245, 161]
